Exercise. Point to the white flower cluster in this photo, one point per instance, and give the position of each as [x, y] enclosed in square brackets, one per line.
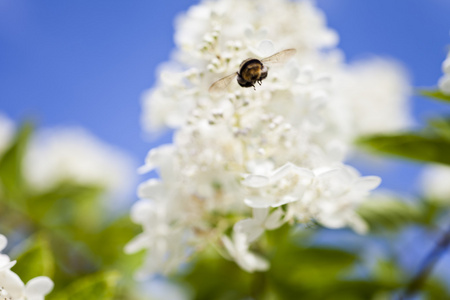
[444, 81]
[434, 181]
[62, 154]
[72, 154]
[12, 287]
[250, 160]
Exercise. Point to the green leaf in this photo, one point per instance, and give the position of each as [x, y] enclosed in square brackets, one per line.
[435, 94]
[11, 164]
[298, 271]
[91, 287]
[37, 260]
[383, 214]
[213, 277]
[66, 205]
[388, 272]
[436, 288]
[415, 146]
[320, 273]
[440, 127]
[116, 235]
[312, 267]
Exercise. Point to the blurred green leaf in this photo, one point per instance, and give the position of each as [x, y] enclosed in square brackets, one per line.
[388, 272]
[435, 288]
[321, 273]
[435, 94]
[116, 235]
[37, 260]
[66, 205]
[381, 214]
[440, 127]
[91, 287]
[312, 266]
[421, 147]
[297, 272]
[11, 164]
[73, 209]
[213, 277]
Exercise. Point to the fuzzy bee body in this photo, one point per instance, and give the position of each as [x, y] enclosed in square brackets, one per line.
[252, 70]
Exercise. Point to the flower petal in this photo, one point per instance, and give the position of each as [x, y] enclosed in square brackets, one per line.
[288, 169]
[3, 242]
[138, 243]
[260, 214]
[275, 219]
[367, 183]
[151, 189]
[255, 181]
[38, 287]
[259, 201]
[5, 263]
[250, 228]
[141, 210]
[229, 246]
[155, 158]
[12, 283]
[252, 262]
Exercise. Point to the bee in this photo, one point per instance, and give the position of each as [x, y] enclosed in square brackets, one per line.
[252, 70]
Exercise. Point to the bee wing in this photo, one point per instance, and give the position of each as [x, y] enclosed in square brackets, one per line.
[279, 57]
[221, 84]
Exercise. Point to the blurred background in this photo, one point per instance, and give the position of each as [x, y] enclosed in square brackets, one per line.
[87, 63]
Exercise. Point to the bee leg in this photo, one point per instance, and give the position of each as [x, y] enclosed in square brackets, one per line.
[254, 88]
[259, 82]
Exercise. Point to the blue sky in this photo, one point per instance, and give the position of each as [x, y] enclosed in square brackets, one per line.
[87, 62]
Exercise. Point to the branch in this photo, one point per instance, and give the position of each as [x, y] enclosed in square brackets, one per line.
[427, 266]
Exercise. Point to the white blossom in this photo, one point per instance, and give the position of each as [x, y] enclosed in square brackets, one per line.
[336, 194]
[238, 250]
[276, 151]
[376, 93]
[5, 262]
[72, 154]
[444, 81]
[434, 182]
[12, 287]
[262, 220]
[284, 185]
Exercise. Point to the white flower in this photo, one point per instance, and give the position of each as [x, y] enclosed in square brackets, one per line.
[434, 182]
[284, 185]
[262, 220]
[12, 287]
[444, 81]
[238, 249]
[280, 145]
[5, 262]
[376, 92]
[160, 158]
[444, 84]
[336, 195]
[73, 154]
[161, 234]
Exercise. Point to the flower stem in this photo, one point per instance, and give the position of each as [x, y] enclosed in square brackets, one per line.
[427, 266]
